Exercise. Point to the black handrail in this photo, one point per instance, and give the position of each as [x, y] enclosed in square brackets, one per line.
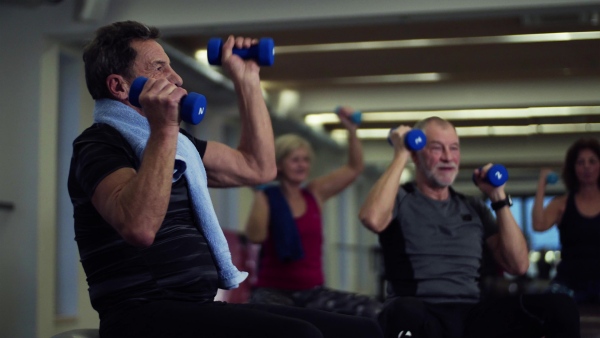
[7, 205]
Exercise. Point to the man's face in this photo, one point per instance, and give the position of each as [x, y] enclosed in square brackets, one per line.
[152, 62]
[440, 159]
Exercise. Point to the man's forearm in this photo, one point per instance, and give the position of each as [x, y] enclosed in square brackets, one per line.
[512, 243]
[355, 152]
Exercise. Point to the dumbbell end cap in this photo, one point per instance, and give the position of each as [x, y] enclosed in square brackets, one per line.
[213, 51]
[135, 90]
[415, 140]
[266, 55]
[356, 117]
[193, 108]
[552, 178]
[415, 146]
[389, 139]
[497, 175]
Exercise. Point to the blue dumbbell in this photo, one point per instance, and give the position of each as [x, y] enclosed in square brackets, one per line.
[191, 107]
[552, 178]
[497, 175]
[414, 140]
[263, 52]
[355, 117]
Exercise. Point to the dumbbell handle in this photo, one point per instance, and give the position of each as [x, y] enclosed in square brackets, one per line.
[263, 52]
[355, 117]
[497, 175]
[414, 139]
[191, 107]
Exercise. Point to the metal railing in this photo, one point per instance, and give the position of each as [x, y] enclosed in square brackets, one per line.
[7, 205]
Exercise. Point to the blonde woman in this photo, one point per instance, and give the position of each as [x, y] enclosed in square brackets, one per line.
[286, 218]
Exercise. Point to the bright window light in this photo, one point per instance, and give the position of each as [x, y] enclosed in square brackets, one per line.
[201, 56]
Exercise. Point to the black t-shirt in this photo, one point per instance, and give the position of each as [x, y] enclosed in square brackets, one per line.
[177, 266]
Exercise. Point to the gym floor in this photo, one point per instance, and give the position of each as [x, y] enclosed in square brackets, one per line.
[590, 321]
[589, 314]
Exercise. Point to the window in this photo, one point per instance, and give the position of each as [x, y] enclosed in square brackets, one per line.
[545, 240]
[521, 210]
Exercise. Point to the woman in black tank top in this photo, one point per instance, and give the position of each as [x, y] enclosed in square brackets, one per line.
[577, 215]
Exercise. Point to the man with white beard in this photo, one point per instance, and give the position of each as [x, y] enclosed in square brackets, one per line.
[432, 239]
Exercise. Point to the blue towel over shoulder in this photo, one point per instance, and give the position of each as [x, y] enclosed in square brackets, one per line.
[282, 226]
[136, 130]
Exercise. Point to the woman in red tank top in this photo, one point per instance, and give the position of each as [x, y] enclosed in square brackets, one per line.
[291, 273]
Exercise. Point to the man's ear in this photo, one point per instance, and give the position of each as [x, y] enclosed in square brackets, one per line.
[118, 87]
[415, 158]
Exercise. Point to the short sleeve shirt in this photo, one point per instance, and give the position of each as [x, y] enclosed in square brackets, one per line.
[177, 266]
[433, 249]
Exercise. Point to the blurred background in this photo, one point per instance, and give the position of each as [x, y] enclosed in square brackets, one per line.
[519, 79]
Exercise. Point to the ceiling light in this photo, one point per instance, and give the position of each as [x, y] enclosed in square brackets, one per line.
[394, 78]
[439, 42]
[287, 101]
[391, 78]
[482, 131]
[461, 114]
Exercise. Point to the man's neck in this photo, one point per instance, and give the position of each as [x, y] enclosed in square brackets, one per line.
[435, 193]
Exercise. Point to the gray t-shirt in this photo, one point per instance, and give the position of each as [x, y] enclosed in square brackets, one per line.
[433, 249]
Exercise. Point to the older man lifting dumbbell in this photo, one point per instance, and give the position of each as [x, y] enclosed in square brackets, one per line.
[432, 239]
[144, 221]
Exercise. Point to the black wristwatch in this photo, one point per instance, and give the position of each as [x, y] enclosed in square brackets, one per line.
[500, 204]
